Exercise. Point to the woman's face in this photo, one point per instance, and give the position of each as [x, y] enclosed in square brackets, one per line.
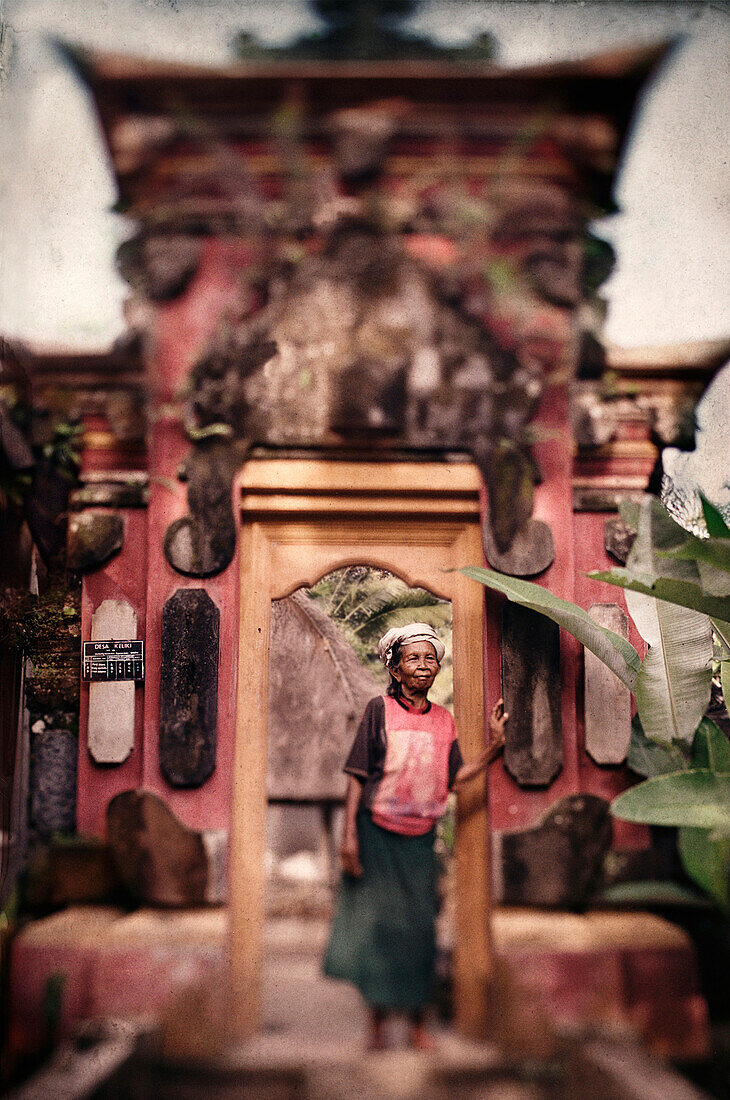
[417, 667]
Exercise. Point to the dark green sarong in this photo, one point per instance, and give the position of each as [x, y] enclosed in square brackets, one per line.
[383, 936]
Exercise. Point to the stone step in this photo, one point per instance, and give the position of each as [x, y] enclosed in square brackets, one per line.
[120, 1060]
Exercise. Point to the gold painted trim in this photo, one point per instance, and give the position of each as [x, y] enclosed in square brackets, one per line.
[281, 552]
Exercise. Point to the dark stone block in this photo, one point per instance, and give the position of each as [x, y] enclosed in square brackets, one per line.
[618, 539]
[189, 687]
[558, 860]
[639, 865]
[531, 552]
[53, 782]
[159, 860]
[76, 873]
[203, 543]
[92, 539]
[533, 752]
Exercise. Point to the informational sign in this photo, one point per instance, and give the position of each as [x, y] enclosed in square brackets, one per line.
[114, 660]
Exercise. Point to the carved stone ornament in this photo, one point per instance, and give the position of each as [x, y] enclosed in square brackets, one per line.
[618, 539]
[159, 266]
[203, 543]
[371, 319]
[359, 342]
[93, 538]
[531, 551]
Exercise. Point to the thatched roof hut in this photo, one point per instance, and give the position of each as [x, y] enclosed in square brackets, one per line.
[317, 693]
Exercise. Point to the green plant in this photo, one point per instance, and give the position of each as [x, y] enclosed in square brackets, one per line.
[692, 793]
[62, 450]
[46, 628]
[672, 682]
[678, 593]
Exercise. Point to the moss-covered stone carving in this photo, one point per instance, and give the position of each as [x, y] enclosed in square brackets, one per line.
[358, 342]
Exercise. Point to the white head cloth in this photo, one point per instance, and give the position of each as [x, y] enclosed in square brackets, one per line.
[414, 632]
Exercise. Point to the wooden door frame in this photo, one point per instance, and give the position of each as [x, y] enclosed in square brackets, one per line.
[302, 519]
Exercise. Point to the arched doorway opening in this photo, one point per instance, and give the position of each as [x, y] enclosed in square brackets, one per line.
[302, 519]
[323, 670]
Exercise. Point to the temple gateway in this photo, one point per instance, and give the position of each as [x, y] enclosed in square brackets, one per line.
[364, 329]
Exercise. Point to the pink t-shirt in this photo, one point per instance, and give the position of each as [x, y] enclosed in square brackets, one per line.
[411, 795]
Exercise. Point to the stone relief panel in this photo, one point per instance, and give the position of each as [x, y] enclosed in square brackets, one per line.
[423, 307]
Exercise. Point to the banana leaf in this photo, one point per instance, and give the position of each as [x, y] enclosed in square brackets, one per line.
[673, 685]
[650, 758]
[722, 629]
[670, 563]
[611, 648]
[707, 862]
[711, 748]
[711, 552]
[714, 519]
[714, 580]
[699, 799]
[686, 593]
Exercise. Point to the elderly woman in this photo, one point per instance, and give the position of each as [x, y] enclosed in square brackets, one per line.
[404, 761]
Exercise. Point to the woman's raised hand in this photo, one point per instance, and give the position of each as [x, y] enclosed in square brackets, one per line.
[350, 856]
[497, 720]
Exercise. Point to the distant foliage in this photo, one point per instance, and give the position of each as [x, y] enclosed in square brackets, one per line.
[364, 603]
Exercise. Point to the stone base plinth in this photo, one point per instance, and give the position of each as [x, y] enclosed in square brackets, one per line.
[604, 972]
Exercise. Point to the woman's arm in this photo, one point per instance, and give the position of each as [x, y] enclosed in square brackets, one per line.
[350, 848]
[497, 720]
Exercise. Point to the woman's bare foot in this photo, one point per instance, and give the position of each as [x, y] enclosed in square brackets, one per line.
[421, 1038]
[376, 1038]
